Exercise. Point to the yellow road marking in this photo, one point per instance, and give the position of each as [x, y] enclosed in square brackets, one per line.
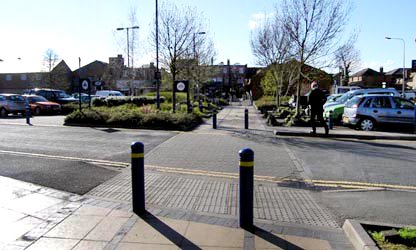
[272, 179]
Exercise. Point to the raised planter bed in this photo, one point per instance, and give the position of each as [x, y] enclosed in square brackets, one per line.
[359, 234]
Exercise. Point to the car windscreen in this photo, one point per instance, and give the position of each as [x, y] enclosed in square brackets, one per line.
[345, 97]
[61, 94]
[353, 101]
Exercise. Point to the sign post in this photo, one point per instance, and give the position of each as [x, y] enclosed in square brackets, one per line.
[181, 86]
[86, 85]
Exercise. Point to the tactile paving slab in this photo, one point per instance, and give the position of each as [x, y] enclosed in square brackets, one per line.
[220, 196]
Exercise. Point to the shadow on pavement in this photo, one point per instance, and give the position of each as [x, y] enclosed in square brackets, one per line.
[170, 233]
[273, 239]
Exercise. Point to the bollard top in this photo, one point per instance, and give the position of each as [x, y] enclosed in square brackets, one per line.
[137, 147]
[246, 154]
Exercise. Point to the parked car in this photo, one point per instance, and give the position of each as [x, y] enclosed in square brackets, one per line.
[11, 103]
[84, 97]
[106, 93]
[335, 109]
[54, 95]
[333, 97]
[368, 111]
[40, 105]
[344, 89]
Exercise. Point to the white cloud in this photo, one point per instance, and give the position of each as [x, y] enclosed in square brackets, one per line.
[257, 19]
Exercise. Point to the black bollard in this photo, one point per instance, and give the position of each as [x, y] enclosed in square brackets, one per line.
[214, 120]
[137, 178]
[246, 186]
[246, 118]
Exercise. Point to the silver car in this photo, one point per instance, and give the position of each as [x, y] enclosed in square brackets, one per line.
[11, 103]
[367, 111]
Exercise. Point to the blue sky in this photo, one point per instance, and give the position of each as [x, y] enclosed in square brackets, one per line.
[86, 29]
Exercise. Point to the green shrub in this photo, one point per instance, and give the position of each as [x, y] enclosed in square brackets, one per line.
[113, 101]
[133, 117]
[86, 117]
[71, 107]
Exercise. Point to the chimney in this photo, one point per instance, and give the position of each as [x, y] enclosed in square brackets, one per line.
[381, 70]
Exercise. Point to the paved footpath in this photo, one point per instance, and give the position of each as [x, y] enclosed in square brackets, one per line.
[191, 200]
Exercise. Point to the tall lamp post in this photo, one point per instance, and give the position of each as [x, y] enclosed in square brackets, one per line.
[128, 49]
[197, 64]
[404, 60]
[158, 76]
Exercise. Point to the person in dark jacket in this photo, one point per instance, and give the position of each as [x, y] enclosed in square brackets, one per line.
[316, 101]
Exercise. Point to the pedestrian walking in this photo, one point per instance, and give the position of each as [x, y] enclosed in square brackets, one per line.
[316, 101]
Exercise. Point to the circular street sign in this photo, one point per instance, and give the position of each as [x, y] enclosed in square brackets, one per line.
[98, 83]
[84, 84]
[181, 86]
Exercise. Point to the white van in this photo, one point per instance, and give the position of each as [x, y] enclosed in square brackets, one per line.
[106, 93]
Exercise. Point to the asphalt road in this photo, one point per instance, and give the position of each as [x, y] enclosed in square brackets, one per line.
[327, 159]
[368, 161]
[62, 157]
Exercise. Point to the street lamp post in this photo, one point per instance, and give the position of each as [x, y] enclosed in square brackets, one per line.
[157, 73]
[197, 64]
[128, 50]
[404, 61]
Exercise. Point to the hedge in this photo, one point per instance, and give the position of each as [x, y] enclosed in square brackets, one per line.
[121, 100]
[128, 117]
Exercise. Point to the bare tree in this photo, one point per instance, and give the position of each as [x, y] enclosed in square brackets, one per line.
[177, 29]
[50, 58]
[347, 58]
[270, 45]
[313, 27]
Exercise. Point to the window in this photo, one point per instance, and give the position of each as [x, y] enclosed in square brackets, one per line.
[401, 103]
[23, 77]
[38, 77]
[8, 77]
[367, 103]
[381, 102]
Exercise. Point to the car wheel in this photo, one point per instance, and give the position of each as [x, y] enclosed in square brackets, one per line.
[37, 111]
[3, 113]
[366, 124]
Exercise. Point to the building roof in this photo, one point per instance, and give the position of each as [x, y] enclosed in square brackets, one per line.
[398, 71]
[366, 71]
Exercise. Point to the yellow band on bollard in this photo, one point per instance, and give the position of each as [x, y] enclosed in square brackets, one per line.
[137, 155]
[246, 164]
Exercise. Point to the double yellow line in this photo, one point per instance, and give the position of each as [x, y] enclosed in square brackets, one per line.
[271, 179]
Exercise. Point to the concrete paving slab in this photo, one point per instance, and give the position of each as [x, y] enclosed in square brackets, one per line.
[205, 235]
[53, 244]
[106, 229]
[90, 245]
[146, 232]
[135, 246]
[32, 203]
[75, 227]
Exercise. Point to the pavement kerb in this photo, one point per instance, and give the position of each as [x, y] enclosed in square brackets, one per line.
[358, 236]
[347, 136]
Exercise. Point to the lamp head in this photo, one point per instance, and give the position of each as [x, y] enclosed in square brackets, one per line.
[120, 28]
